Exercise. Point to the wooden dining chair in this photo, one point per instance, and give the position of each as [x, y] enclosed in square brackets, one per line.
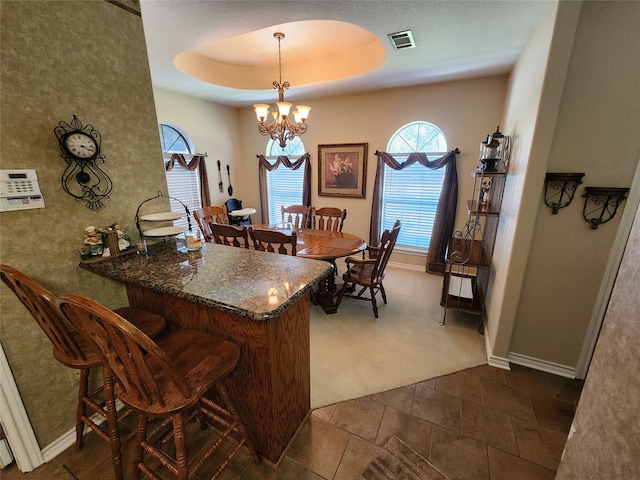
[170, 380]
[230, 235]
[207, 215]
[296, 215]
[73, 350]
[274, 241]
[369, 273]
[328, 218]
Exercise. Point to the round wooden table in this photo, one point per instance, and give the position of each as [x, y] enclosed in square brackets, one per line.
[323, 245]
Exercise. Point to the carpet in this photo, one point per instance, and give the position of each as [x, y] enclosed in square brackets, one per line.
[397, 461]
[354, 354]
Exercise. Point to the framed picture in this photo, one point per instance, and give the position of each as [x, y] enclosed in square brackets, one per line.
[342, 170]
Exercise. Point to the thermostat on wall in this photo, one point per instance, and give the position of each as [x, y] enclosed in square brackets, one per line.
[19, 190]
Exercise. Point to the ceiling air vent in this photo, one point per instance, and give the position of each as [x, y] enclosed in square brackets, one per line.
[402, 40]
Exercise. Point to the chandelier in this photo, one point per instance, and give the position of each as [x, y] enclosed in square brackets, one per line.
[281, 128]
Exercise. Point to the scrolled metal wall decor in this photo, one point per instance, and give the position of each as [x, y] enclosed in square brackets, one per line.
[80, 146]
[601, 204]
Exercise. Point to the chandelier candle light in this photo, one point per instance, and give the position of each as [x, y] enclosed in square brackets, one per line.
[281, 128]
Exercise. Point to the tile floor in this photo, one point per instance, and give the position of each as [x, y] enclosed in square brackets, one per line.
[481, 423]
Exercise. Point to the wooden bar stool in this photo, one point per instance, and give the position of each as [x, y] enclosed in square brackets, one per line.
[73, 350]
[170, 380]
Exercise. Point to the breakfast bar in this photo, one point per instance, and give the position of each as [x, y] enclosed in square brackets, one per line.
[258, 300]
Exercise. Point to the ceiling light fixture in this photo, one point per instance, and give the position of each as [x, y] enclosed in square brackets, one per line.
[281, 128]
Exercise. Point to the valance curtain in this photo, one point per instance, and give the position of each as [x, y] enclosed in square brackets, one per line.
[445, 213]
[196, 161]
[264, 166]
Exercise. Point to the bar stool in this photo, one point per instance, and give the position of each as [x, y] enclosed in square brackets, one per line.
[169, 380]
[73, 350]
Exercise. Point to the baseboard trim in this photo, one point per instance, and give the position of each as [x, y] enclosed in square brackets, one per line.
[408, 266]
[542, 365]
[493, 360]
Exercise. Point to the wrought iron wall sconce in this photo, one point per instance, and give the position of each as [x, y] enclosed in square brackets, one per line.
[601, 204]
[559, 189]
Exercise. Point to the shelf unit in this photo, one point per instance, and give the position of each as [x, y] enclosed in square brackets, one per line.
[469, 251]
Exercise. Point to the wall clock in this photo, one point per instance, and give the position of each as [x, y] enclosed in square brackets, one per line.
[83, 178]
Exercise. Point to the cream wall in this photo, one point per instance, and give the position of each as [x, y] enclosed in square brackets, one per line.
[534, 93]
[212, 127]
[600, 100]
[60, 59]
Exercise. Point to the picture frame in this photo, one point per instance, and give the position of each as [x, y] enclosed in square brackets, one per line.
[342, 170]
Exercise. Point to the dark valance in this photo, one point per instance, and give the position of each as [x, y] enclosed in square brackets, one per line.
[445, 213]
[264, 166]
[197, 162]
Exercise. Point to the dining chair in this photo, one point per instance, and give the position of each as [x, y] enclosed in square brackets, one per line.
[72, 349]
[174, 381]
[230, 235]
[328, 218]
[296, 215]
[207, 215]
[369, 273]
[274, 241]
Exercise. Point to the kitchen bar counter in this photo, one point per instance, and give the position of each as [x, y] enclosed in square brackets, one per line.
[244, 282]
[258, 300]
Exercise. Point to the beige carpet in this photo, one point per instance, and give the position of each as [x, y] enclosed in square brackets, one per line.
[353, 354]
[397, 461]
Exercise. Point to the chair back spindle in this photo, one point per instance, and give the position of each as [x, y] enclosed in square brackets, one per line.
[205, 216]
[40, 303]
[328, 218]
[231, 235]
[274, 241]
[296, 215]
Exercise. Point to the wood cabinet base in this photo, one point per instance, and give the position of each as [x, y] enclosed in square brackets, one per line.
[271, 384]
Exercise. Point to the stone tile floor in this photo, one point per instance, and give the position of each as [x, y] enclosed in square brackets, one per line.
[481, 423]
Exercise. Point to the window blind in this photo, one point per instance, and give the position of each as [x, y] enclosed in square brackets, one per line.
[411, 195]
[185, 185]
[284, 187]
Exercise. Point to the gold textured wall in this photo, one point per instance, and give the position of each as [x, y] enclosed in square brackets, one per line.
[60, 59]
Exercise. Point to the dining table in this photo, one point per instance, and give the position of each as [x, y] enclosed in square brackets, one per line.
[326, 245]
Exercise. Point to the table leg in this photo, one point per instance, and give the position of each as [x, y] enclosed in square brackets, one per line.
[326, 292]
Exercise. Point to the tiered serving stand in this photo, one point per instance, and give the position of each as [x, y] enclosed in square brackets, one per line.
[164, 232]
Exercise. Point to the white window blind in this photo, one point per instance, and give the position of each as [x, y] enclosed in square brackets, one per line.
[411, 196]
[184, 185]
[284, 186]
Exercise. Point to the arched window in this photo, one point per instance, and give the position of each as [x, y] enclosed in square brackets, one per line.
[182, 183]
[411, 195]
[284, 186]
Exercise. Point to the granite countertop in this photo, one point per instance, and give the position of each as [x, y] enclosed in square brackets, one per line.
[253, 284]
